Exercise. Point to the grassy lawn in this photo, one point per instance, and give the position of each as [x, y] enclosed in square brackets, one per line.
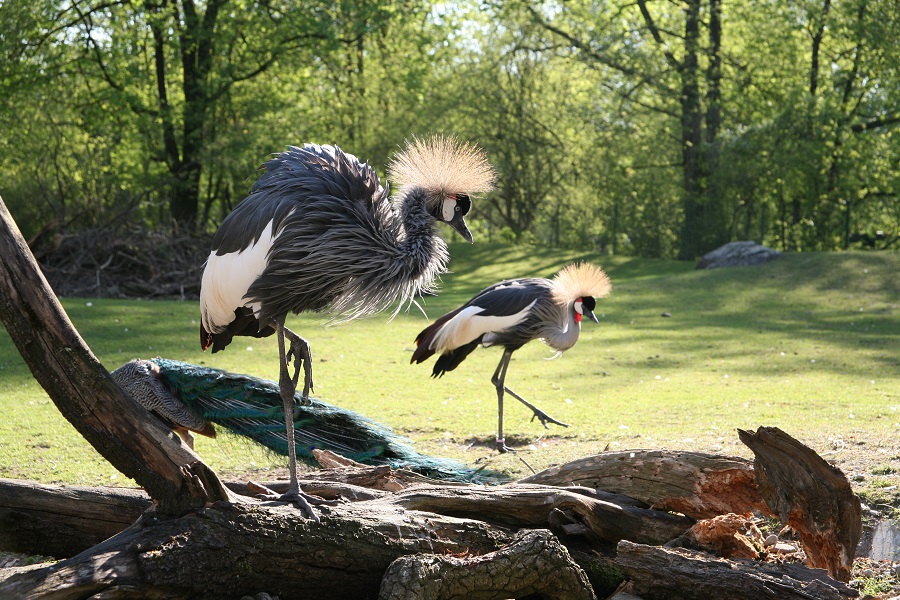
[809, 343]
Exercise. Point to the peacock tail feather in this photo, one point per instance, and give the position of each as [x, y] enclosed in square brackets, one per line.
[252, 407]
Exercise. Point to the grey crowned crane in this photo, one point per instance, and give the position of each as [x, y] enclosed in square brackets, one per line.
[319, 232]
[511, 314]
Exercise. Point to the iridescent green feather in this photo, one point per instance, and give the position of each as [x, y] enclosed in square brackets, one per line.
[252, 407]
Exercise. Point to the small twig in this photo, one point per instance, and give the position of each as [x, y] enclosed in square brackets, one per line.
[526, 464]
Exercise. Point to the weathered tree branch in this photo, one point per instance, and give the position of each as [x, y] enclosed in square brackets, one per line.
[83, 391]
[696, 484]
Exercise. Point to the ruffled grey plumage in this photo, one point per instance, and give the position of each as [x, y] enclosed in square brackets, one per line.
[341, 243]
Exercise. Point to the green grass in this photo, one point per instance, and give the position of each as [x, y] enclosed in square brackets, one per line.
[809, 343]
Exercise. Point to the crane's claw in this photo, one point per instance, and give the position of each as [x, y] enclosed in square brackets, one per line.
[540, 415]
[302, 357]
[544, 418]
[503, 448]
[300, 500]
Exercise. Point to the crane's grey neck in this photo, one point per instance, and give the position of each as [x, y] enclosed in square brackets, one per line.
[565, 333]
[424, 250]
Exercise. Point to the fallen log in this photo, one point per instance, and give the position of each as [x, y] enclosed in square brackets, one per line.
[695, 484]
[574, 511]
[229, 550]
[678, 574]
[61, 521]
[523, 505]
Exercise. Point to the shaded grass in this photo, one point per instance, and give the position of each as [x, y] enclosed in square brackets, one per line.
[809, 343]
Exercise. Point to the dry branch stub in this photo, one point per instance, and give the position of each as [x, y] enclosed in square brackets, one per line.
[811, 496]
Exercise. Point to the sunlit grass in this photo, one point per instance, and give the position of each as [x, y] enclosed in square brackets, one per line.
[809, 343]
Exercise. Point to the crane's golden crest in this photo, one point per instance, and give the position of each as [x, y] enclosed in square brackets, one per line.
[442, 164]
[578, 280]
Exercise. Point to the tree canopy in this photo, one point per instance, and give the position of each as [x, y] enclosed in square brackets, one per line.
[660, 128]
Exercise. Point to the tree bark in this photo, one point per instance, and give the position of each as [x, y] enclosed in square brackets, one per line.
[52, 520]
[696, 484]
[811, 496]
[229, 550]
[535, 563]
[573, 511]
[83, 391]
[677, 574]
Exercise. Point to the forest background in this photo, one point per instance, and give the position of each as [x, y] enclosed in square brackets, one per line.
[657, 128]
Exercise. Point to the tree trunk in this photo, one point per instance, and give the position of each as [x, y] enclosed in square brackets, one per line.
[51, 520]
[691, 134]
[693, 483]
[83, 391]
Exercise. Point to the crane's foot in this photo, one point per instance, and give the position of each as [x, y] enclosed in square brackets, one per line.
[544, 418]
[298, 499]
[300, 354]
[503, 448]
[540, 415]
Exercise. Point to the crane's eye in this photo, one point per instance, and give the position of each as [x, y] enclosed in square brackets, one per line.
[458, 208]
[463, 204]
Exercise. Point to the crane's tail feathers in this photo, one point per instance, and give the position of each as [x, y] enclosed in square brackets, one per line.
[442, 164]
[252, 407]
[452, 359]
[425, 341]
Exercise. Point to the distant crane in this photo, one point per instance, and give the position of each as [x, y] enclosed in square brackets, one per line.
[511, 314]
[191, 398]
[319, 232]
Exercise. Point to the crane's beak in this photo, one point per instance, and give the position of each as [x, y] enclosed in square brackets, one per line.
[590, 315]
[458, 222]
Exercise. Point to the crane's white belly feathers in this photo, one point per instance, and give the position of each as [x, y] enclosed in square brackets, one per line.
[227, 278]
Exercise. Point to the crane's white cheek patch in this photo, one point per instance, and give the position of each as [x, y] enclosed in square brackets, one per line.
[226, 280]
[448, 209]
[469, 325]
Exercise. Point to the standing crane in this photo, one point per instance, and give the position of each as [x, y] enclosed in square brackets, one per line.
[319, 232]
[511, 314]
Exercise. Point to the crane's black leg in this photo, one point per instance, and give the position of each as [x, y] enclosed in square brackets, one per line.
[288, 385]
[498, 380]
[540, 415]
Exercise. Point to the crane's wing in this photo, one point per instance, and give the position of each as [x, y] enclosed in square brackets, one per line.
[322, 186]
[294, 177]
[497, 308]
